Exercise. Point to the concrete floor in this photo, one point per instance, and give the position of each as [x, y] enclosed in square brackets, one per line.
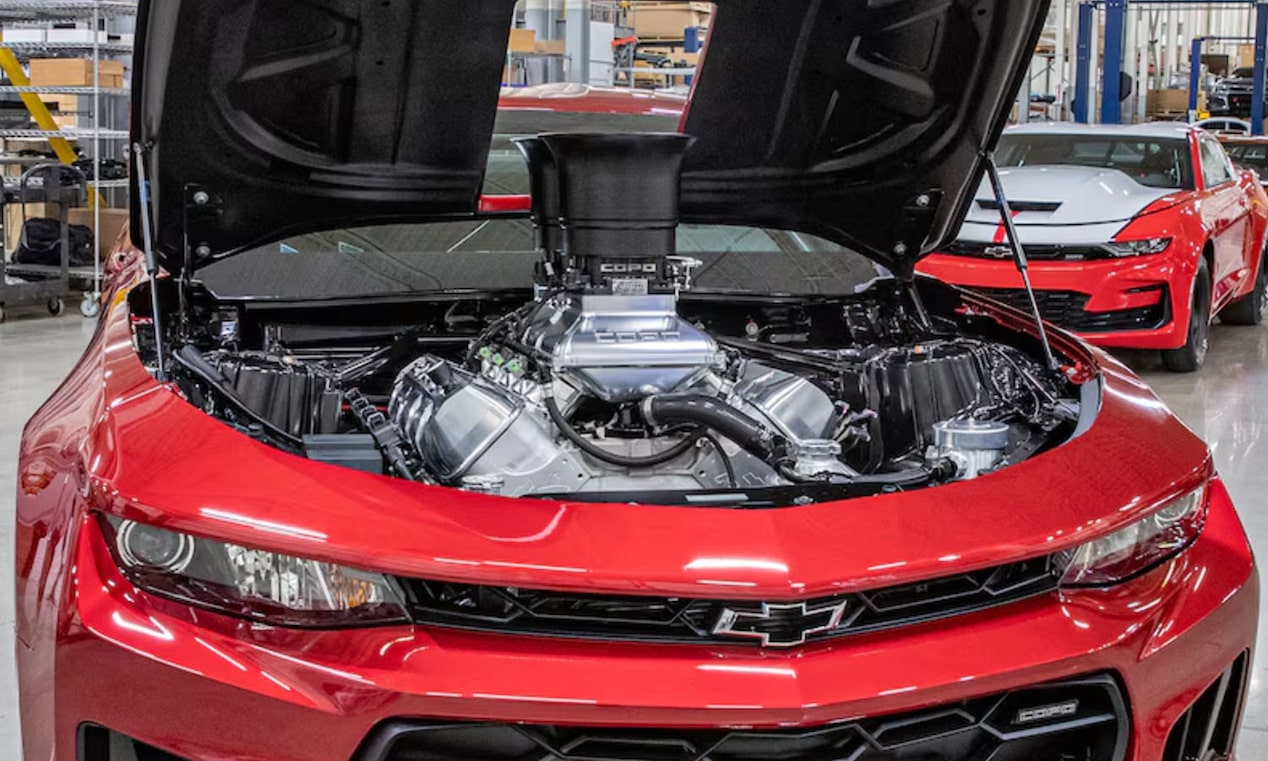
[1227, 404]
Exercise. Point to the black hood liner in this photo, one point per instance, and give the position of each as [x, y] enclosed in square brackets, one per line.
[862, 121]
[297, 114]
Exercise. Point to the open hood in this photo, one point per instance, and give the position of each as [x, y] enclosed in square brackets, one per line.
[862, 121]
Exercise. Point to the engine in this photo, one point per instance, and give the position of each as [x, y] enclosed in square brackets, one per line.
[617, 377]
[600, 385]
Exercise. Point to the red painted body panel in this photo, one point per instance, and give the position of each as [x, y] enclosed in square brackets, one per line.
[208, 687]
[92, 648]
[1198, 222]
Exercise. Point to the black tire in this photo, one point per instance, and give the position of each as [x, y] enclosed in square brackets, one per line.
[1189, 358]
[55, 306]
[1252, 308]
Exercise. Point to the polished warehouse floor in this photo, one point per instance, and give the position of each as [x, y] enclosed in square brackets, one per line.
[1227, 403]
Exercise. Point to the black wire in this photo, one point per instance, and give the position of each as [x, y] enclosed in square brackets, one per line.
[599, 453]
[726, 459]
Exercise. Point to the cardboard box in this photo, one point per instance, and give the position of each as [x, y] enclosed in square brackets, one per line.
[112, 223]
[552, 47]
[73, 72]
[1167, 101]
[667, 20]
[523, 41]
[63, 106]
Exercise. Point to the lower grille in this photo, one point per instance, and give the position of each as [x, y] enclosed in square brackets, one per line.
[1067, 309]
[1209, 727]
[1077, 720]
[96, 743]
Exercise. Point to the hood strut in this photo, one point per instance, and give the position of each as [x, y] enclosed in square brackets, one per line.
[151, 261]
[1019, 257]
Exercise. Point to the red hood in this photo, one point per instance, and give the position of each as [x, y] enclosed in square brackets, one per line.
[221, 484]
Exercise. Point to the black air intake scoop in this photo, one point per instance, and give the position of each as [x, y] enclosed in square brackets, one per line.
[606, 205]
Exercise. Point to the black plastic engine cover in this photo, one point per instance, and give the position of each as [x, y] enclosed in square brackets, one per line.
[292, 398]
[915, 387]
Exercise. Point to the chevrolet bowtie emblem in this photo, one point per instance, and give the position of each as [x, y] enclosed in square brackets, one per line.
[779, 625]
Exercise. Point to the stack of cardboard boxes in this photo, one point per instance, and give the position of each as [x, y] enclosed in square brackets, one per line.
[66, 72]
[73, 72]
[654, 20]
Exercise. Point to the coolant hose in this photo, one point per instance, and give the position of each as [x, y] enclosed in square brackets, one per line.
[713, 413]
[603, 455]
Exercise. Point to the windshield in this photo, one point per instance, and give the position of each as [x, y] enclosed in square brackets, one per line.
[499, 254]
[1243, 72]
[1152, 162]
[1249, 156]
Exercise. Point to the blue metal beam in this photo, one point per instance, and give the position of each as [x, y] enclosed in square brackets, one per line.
[1112, 78]
[1195, 76]
[1261, 49]
[1083, 65]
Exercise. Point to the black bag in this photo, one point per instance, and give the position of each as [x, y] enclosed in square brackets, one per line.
[42, 243]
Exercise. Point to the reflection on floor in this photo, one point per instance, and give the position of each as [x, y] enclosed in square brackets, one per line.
[1227, 403]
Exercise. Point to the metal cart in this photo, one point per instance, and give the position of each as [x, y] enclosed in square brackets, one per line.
[62, 187]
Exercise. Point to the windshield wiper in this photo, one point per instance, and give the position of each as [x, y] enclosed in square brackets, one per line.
[1019, 258]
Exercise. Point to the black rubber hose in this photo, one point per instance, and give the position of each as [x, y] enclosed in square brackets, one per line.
[713, 413]
[726, 460]
[599, 453]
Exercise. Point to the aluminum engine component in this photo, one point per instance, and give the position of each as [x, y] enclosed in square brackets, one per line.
[455, 419]
[800, 411]
[477, 434]
[975, 446]
[622, 348]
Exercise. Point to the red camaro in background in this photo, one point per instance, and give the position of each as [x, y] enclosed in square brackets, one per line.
[1138, 237]
[680, 461]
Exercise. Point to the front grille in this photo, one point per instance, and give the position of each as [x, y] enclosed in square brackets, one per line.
[1003, 251]
[680, 620]
[1076, 720]
[1066, 309]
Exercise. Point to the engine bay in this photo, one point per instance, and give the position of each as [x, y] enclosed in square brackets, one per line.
[610, 379]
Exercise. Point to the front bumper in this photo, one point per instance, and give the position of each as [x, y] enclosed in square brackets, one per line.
[204, 687]
[1114, 289]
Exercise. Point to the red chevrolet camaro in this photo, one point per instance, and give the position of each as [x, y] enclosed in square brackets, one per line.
[1139, 237]
[411, 432]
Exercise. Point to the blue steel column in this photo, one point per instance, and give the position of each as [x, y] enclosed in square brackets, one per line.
[1195, 77]
[1112, 79]
[1083, 64]
[1261, 49]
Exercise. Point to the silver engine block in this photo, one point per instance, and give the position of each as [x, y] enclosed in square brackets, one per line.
[489, 431]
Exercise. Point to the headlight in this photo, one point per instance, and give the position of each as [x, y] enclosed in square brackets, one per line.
[1138, 247]
[255, 584]
[1140, 547]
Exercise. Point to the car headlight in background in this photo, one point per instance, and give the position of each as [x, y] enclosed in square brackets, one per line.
[1140, 547]
[255, 584]
[1138, 247]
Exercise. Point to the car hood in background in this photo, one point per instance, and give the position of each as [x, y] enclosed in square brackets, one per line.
[864, 122]
[1067, 195]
